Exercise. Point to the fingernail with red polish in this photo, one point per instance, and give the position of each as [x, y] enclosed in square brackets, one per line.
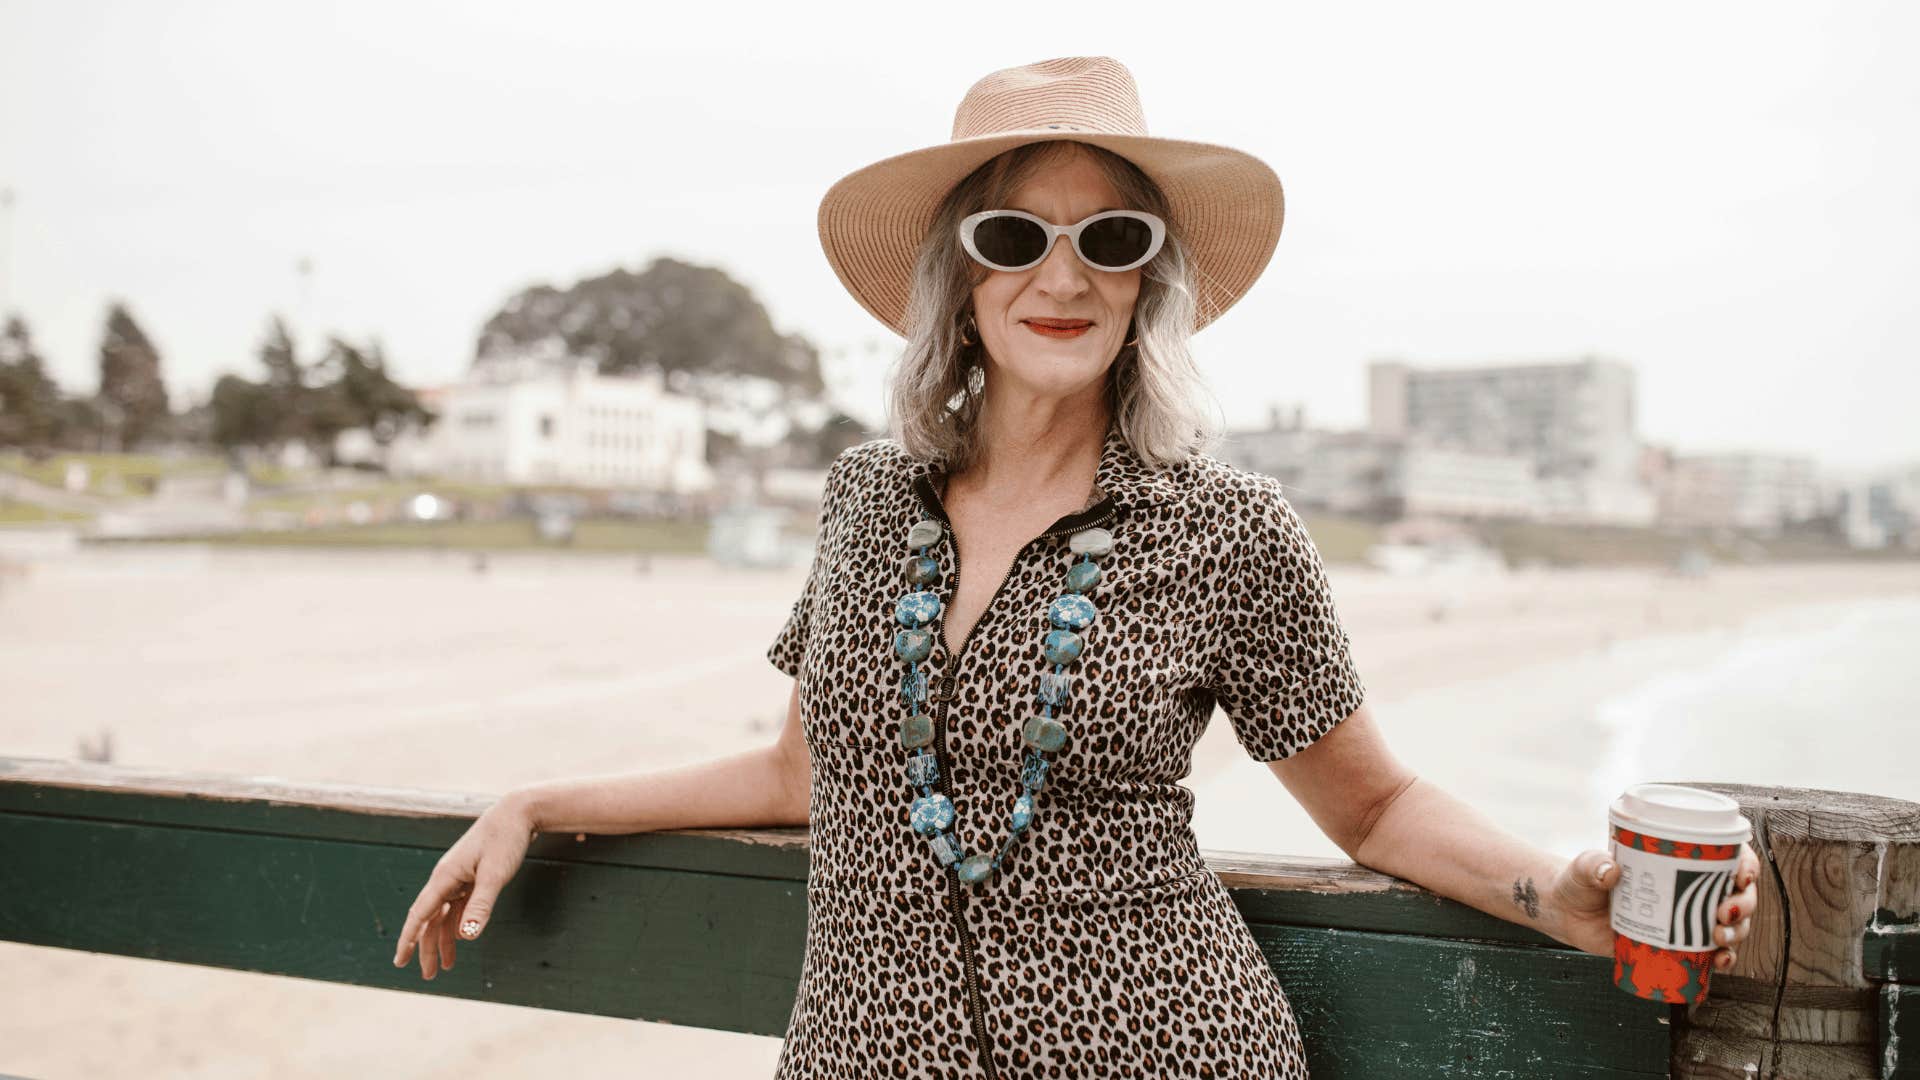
[1733, 913]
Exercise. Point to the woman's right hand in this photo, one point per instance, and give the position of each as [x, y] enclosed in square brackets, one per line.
[464, 885]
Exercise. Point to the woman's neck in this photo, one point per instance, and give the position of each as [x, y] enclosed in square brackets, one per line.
[1027, 454]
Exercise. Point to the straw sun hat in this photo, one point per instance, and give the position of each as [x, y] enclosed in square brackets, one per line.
[1226, 203]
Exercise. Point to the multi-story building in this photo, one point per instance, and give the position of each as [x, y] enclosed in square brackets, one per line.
[1755, 492]
[1883, 511]
[1368, 475]
[566, 424]
[1358, 472]
[1572, 421]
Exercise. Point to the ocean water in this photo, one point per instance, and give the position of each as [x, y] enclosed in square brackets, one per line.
[1813, 696]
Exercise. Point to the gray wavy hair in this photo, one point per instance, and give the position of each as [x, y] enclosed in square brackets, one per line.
[1154, 390]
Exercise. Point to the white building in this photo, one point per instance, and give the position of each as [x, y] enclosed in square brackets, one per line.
[1574, 421]
[1758, 492]
[541, 423]
[1359, 472]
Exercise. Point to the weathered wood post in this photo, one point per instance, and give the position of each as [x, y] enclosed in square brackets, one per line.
[1817, 988]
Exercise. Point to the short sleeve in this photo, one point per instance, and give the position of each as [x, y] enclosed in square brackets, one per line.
[789, 646]
[1284, 670]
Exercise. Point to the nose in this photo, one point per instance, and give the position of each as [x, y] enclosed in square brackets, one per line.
[1062, 275]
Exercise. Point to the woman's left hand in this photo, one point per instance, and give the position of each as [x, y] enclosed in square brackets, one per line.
[1583, 896]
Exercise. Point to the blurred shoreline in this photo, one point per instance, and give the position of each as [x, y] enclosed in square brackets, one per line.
[1727, 679]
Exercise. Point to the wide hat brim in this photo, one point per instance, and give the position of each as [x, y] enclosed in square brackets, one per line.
[1226, 204]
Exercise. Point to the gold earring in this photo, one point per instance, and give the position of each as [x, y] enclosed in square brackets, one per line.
[964, 339]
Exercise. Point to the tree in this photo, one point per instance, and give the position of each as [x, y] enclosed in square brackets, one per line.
[241, 415]
[132, 395]
[30, 412]
[283, 399]
[694, 324]
[279, 357]
[347, 388]
[358, 393]
[838, 433]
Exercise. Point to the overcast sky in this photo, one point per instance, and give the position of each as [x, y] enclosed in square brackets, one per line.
[1724, 196]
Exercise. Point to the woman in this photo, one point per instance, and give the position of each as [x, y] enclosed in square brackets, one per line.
[1003, 879]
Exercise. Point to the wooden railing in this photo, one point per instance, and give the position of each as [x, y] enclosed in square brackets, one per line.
[706, 927]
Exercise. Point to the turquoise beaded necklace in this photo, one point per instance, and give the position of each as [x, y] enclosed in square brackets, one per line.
[1070, 614]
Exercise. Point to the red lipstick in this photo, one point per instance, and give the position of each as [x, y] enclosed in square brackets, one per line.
[1057, 328]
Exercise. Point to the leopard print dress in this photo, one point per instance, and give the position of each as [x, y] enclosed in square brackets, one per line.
[1103, 946]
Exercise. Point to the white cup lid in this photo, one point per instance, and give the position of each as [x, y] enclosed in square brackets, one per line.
[1675, 812]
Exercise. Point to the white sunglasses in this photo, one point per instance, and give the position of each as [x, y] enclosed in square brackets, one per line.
[1012, 240]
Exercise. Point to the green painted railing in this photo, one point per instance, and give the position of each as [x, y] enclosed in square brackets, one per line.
[706, 927]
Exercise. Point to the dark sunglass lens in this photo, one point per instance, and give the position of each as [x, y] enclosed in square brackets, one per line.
[1116, 241]
[1009, 241]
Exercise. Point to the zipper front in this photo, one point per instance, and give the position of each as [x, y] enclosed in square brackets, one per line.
[942, 699]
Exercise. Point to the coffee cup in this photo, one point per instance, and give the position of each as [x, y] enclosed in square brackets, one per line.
[1678, 849]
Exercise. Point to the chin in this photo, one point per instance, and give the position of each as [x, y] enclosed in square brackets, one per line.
[1060, 370]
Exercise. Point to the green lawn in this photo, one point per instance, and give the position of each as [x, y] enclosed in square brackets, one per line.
[378, 491]
[1524, 542]
[18, 513]
[111, 474]
[1341, 539]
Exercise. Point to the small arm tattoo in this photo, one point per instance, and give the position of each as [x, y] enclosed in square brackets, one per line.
[1526, 898]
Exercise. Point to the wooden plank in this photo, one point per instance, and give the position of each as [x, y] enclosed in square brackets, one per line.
[1387, 1005]
[1800, 1003]
[712, 950]
[1748, 1057]
[1889, 951]
[724, 951]
[707, 927]
[1301, 890]
[1400, 907]
[1899, 1032]
[269, 805]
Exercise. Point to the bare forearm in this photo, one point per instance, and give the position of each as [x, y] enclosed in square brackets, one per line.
[1440, 843]
[745, 790]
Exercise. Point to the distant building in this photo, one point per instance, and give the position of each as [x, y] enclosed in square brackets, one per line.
[1360, 473]
[1755, 492]
[1427, 480]
[561, 424]
[1572, 421]
[1883, 511]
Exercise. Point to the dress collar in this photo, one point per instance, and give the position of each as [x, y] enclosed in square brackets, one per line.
[1122, 475]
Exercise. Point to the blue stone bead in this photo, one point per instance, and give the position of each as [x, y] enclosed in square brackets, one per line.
[923, 533]
[1055, 686]
[922, 769]
[916, 731]
[932, 813]
[1044, 733]
[1095, 542]
[1063, 646]
[920, 570]
[1022, 811]
[1072, 612]
[1033, 774]
[945, 848]
[913, 646]
[917, 608]
[975, 868]
[1083, 576]
[913, 687]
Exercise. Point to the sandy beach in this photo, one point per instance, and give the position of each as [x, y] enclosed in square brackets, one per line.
[1531, 695]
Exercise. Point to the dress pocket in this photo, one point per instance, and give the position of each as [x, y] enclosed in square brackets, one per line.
[1154, 656]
